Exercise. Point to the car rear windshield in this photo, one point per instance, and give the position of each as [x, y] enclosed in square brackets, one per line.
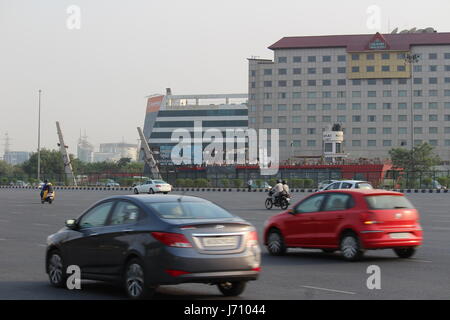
[388, 202]
[189, 210]
[363, 185]
[159, 182]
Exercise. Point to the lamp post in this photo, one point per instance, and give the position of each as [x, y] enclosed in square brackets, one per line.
[39, 140]
[411, 59]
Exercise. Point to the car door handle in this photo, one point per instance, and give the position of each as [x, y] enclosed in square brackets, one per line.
[340, 217]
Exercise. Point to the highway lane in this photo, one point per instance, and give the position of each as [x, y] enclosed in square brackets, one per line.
[302, 274]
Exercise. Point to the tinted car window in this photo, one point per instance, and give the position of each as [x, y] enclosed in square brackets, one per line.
[189, 210]
[385, 202]
[333, 186]
[97, 216]
[311, 204]
[337, 202]
[124, 213]
[346, 185]
[159, 182]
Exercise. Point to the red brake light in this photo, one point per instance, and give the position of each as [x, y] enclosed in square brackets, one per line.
[177, 240]
[253, 235]
[158, 186]
[176, 273]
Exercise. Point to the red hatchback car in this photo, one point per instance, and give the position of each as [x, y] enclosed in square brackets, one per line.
[351, 220]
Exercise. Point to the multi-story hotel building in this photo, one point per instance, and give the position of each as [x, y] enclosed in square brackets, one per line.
[364, 82]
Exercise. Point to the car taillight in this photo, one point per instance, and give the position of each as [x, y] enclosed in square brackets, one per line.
[176, 273]
[252, 238]
[253, 235]
[367, 218]
[158, 186]
[177, 240]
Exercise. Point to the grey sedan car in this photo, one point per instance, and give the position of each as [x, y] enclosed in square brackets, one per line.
[144, 241]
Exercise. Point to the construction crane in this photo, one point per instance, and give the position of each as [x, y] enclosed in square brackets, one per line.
[148, 156]
[65, 156]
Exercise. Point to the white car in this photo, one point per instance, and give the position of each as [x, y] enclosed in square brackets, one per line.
[153, 186]
[348, 184]
[325, 183]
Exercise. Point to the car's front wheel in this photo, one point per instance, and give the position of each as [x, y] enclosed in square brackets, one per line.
[275, 243]
[134, 280]
[405, 253]
[55, 267]
[350, 247]
[232, 289]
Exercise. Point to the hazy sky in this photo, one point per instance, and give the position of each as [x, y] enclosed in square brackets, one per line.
[96, 78]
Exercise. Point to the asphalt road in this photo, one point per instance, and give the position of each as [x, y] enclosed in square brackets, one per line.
[302, 274]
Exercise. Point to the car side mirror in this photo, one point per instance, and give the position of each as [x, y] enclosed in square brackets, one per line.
[292, 211]
[71, 224]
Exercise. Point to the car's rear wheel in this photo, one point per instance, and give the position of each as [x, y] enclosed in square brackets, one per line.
[134, 281]
[55, 267]
[165, 192]
[350, 247]
[275, 243]
[135, 190]
[405, 253]
[232, 289]
[151, 191]
[269, 204]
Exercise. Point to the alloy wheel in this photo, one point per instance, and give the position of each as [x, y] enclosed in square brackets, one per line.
[135, 280]
[55, 269]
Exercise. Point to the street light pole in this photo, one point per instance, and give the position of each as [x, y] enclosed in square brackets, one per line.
[39, 140]
[412, 59]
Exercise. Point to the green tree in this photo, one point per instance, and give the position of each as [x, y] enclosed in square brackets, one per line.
[420, 159]
[6, 170]
[52, 166]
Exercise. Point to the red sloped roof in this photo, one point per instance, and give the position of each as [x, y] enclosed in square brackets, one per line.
[360, 42]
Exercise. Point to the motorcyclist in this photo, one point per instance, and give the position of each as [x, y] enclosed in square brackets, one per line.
[277, 190]
[286, 190]
[47, 186]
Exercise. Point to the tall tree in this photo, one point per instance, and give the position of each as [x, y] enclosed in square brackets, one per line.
[420, 159]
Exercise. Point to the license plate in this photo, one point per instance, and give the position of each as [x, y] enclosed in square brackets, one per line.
[400, 235]
[220, 242]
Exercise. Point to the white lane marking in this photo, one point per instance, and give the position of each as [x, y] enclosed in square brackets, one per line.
[438, 228]
[419, 260]
[41, 245]
[2, 239]
[330, 290]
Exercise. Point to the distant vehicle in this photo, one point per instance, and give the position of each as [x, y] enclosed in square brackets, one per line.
[436, 185]
[352, 221]
[153, 186]
[265, 185]
[325, 183]
[146, 241]
[348, 184]
[112, 183]
[21, 183]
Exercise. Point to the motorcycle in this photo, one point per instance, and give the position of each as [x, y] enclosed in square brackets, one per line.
[48, 196]
[283, 202]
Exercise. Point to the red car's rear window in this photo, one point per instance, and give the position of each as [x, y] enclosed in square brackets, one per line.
[388, 202]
